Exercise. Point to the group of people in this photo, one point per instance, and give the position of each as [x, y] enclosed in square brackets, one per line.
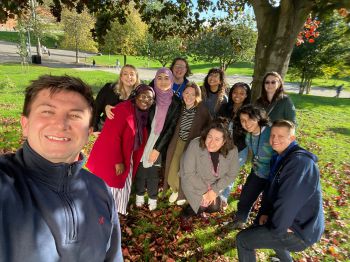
[200, 136]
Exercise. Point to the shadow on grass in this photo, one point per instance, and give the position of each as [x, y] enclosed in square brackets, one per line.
[340, 130]
[310, 102]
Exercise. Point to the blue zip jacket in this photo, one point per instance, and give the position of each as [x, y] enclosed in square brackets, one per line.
[293, 199]
[54, 212]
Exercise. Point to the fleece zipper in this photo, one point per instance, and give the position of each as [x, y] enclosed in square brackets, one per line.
[70, 210]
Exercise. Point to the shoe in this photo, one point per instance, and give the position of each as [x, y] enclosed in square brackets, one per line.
[234, 225]
[152, 204]
[181, 202]
[173, 197]
[140, 200]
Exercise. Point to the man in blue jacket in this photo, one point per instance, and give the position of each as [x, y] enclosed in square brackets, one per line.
[291, 216]
[50, 208]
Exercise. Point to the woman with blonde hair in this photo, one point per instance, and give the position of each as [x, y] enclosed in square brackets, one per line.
[113, 93]
[194, 117]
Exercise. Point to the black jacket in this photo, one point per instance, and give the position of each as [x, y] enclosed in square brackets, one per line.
[106, 96]
[54, 212]
[173, 114]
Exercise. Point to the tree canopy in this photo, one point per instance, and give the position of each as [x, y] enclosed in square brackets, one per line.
[278, 22]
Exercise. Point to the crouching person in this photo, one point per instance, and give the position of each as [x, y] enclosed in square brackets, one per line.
[291, 216]
[208, 166]
[51, 208]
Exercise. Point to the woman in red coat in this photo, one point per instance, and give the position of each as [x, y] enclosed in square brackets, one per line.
[117, 151]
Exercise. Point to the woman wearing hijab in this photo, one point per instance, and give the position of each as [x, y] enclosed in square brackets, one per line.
[117, 151]
[163, 117]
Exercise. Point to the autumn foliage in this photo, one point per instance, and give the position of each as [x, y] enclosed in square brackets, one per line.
[309, 32]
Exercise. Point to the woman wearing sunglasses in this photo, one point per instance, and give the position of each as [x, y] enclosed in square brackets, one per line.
[273, 99]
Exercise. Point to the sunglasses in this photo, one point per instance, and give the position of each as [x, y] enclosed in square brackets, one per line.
[271, 82]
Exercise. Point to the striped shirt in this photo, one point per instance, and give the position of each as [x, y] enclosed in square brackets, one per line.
[186, 122]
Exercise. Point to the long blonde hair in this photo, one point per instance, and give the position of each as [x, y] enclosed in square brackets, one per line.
[119, 87]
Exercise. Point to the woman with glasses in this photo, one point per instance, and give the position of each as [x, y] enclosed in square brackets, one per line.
[117, 151]
[273, 99]
[194, 117]
[161, 125]
[113, 93]
[181, 70]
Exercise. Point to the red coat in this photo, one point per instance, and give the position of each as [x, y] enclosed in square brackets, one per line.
[115, 145]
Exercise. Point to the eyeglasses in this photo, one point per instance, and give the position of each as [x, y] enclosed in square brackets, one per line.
[144, 97]
[271, 82]
[179, 66]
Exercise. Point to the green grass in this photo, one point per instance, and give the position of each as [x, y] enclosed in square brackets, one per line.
[323, 128]
[48, 40]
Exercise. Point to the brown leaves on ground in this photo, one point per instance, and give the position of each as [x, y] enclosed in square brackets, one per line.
[157, 236]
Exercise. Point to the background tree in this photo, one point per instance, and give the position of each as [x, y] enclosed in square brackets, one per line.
[226, 43]
[22, 41]
[124, 38]
[77, 32]
[324, 55]
[163, 51]
[278, 22]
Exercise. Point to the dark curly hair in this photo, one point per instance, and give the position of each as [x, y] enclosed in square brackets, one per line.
[220, 124]
[254, 112]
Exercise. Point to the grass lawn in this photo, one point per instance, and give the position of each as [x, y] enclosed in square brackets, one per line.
[323, 128]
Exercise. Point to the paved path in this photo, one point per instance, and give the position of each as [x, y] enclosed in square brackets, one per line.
[66, 59]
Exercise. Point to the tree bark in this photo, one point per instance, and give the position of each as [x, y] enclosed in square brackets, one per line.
[278, 28]
[124, 59]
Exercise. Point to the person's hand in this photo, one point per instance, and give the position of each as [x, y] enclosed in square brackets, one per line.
[209, 197]
[119, 168]
[96, 134]
[263, 219]
[109, 112]
[153, 156]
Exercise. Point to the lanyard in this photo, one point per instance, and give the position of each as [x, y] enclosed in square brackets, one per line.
[255, 156]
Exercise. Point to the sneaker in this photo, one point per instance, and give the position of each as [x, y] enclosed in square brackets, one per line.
[140, 200]
[173, 197]
[234, 225]
[152, 204]
[181, 202]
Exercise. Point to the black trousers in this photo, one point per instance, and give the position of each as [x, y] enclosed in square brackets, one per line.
[250, 193]
[147, 178]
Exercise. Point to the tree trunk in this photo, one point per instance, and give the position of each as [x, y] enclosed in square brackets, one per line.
[308, 86]
[76, 54]
[124, 59]
[278, 28]
[38, 47]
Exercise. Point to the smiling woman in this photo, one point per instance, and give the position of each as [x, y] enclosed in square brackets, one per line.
[117, 151]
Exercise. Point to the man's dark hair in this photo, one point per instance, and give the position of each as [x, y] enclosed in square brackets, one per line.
[56, 84]
[220, 124]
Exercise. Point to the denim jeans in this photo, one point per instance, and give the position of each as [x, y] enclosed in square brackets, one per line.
[260, 237]
[227, 191]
